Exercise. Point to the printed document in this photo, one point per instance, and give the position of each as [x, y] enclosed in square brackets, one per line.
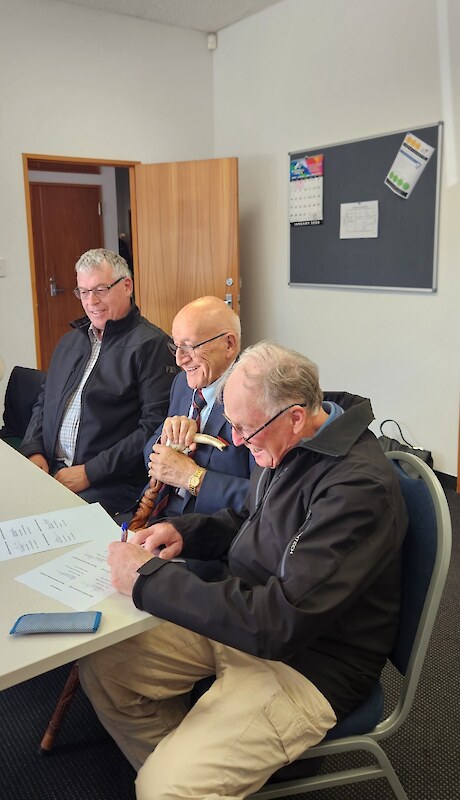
[40, 532]
[80, 578]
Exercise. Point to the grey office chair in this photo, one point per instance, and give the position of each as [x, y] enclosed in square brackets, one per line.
[23, 388]
[426, 556]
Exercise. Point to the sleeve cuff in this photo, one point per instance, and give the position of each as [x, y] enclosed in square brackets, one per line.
[145, 571]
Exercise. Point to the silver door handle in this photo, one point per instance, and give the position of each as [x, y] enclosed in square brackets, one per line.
[54, 291]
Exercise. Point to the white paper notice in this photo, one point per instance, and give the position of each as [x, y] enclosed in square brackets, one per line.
[411, 160]
[359, 220]
[79, 579]
[40, 532]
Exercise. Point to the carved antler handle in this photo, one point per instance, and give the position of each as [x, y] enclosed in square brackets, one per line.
[147, 502]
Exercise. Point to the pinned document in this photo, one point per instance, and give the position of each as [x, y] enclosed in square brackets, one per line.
[411, 160]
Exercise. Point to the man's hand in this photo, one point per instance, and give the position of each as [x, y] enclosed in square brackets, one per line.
[124, 560]
[163, 533]
[170, 467]
[40, 461]
[179, 430]
[73, 477]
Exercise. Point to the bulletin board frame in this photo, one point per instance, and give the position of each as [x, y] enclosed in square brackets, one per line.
[403, 257]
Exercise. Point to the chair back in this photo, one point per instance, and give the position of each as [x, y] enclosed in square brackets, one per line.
[23, 388]
[425, 562]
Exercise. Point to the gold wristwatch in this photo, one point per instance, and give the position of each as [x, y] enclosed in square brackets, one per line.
[194, 480]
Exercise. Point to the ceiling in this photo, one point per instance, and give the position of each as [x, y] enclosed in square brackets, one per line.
[209, 16]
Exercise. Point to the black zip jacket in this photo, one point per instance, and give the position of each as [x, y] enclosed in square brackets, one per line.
[314, 562]
[124, 400]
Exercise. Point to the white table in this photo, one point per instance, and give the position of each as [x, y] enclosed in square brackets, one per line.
[27, 490]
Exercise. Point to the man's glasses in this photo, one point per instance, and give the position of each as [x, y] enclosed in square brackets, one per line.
[189, 349]
[247, 439]
[99, 291]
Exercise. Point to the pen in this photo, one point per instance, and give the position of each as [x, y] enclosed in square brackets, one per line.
[124, 531]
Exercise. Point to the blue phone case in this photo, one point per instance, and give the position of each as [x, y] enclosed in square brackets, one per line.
[58, 622]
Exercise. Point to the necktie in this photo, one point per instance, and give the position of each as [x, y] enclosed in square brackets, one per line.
[198, 404]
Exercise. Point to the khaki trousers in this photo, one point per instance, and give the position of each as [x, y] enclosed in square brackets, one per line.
[258, 715]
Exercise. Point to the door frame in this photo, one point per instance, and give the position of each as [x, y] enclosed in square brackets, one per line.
[102, 162]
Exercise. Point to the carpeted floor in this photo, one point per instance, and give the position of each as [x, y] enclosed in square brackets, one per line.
[87, 765]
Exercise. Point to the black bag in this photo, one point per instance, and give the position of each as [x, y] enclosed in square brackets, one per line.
[387, 444]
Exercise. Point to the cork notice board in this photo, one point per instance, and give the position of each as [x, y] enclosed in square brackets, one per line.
[402, 256]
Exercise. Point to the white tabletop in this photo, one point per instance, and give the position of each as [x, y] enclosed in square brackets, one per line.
[27, 490]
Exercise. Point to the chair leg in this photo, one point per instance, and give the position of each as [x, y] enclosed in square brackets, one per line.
[67, 694]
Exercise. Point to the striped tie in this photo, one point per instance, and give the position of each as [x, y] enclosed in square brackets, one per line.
[198, 404]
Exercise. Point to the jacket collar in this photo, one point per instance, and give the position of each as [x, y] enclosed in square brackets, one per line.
[113, 326]
[338, 438]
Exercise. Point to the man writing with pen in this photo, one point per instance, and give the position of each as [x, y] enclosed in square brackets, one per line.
[298, 628]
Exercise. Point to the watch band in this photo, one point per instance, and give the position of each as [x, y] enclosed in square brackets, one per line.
[195, 480]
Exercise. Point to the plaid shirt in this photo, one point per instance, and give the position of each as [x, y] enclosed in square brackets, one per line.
[68, 432]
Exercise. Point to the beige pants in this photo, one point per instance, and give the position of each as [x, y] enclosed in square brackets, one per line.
[258, 715]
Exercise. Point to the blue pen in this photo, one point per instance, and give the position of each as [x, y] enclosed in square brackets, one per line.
[124, 531]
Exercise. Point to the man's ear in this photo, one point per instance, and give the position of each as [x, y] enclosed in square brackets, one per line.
[232, 345]
[298, 415]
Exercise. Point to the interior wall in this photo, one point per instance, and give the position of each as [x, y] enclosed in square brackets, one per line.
[83, 83]
[305, 74]
[301, 74]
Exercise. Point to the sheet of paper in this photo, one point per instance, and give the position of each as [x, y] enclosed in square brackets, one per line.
[79, 579]
[40, 532]
[359, 220]
[411, 160]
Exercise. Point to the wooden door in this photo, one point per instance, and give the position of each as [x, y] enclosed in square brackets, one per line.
[187, 235]
[66, 221]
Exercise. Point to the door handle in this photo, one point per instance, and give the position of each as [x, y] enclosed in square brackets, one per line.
[228, 296]
[54, 290]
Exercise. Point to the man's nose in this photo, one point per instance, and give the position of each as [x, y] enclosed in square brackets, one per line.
[181, 356]
[237, 439]
[93, 299]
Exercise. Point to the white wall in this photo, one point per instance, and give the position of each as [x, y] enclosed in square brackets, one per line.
[304, 74]
[77, 82]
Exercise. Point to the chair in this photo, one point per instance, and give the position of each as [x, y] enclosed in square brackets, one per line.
[426, 556]
[23, 388]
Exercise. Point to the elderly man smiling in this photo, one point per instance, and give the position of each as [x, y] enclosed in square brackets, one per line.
[206, 341]
[296, 633]
[106, 390]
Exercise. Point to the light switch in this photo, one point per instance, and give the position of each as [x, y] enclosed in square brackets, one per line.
[2, 267]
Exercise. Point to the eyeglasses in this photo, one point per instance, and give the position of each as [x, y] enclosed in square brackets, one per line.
[189, 349]
[99, 291]
[247, 439]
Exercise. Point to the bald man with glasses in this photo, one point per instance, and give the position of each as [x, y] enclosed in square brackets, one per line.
[206, 342]
[106, 390]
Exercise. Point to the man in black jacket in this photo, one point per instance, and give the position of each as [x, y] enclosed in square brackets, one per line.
[106, 390]
[298, 628]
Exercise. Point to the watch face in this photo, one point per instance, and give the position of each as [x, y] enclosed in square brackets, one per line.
[194, 480]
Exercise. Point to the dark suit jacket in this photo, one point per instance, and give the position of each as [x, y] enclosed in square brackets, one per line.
[226, 482]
